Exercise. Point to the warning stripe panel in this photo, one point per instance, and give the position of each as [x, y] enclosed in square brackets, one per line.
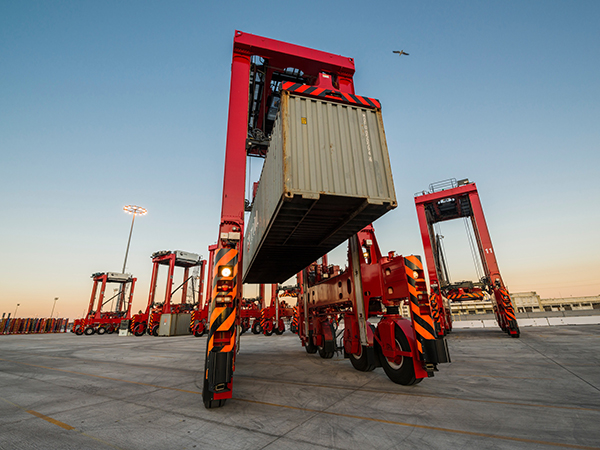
[228, 323]
[331, 94]
[225, 257]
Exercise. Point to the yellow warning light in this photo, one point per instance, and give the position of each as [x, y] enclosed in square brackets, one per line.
[226, 271]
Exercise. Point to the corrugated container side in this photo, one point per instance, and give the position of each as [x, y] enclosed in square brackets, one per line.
[327, 175]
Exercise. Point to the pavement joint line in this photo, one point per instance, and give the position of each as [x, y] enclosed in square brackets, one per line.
[425, 427]
[59, 423]
[562, 367]
[496, 376]
[103, 377]
[533, 405]
[266, 380]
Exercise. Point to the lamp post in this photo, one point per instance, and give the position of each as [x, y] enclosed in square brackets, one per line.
[132, 209]
[15, 315]
[53, 305]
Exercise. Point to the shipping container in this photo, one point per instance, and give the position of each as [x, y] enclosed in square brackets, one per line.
[327, 175]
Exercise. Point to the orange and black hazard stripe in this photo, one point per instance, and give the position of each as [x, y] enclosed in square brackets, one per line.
[434, 300]
[465, 296]
[507, 304]
[263, 318]
[330, 94]
[221, 337]
[422, 321]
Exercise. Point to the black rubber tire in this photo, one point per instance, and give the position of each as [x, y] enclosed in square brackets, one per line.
[403, 373]
[101, 330]
[79, 331]
[200, 331]
[210, 404]
[154, 331]
[513, 327]
[89, 331]
[256, 328]
[139, 329]
[310, 347]
[361, 361]
[111, 330]
[279, 332]
[325, 355]
[269, 333]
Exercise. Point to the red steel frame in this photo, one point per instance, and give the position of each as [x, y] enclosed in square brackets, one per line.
[108, 321]
[329, 76]
[224, 309]
[426, 211]
[150, 319]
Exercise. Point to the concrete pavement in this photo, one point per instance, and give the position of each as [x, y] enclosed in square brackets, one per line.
[97, 392]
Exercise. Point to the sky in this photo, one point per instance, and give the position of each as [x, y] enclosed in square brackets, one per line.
[105, 104]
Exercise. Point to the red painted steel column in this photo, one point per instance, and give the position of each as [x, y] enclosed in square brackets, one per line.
[201, 285]
[128, 316]
[220, 360]
[426, 237]
[184, 288]
[91, 307]
[211, 263]
[234, 179]
[101, 298]
[167, 304]
[261, 296]
[483, 235]
[153, 281]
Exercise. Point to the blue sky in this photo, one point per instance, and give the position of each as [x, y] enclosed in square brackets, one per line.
[104, 104]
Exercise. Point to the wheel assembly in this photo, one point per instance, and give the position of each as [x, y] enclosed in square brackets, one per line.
[89, 331]
[101, 330]
[139, 328]
[200, 330]
[154, 331]
[400, 370]
[310, 347]
[256, 328]
[325, 354]
[78, 331]
[280, 328]
[360, 361]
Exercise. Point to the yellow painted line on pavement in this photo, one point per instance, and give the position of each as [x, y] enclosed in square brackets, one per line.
[59, 423]
[49, 419]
